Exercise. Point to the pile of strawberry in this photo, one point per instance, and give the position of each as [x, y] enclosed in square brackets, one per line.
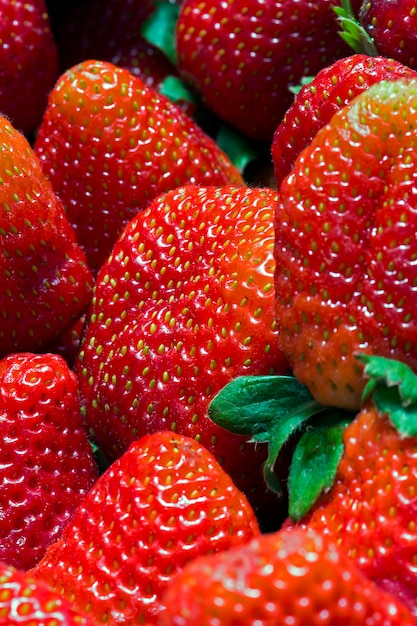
[208, 338]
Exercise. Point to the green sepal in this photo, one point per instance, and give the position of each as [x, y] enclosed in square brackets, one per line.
[176, 90]
[352, 31]
[305, 80]
[240, 150]
[393, 386]
[159, 29]
[315, 461]
[269, 409]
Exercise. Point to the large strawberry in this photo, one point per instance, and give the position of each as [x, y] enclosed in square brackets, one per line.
[315, 104]
[345, 245]
[28, 62]
[244, 57]
[25, 601]
[295, 577]
[184, 303]
[163, 503]
[45, 283]
[110, 144]
[46, 461]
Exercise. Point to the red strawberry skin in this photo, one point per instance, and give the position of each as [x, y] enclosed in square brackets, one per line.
[163, 503]
[296, 577]
[345, 279]
[243, 56]
[25, 601]
[371, 509]
[109, 144]
[315, 104]
[28, 61]
[45, 283]
[184, 304]
[46, 461]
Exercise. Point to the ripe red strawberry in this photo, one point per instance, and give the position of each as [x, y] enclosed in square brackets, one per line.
[370, 511]
[315, 104]
[242, 56]
[295, 577]
[28, 62]
[46, 461]
[25, 601]
[45, 283]
[163, 503]
[109, 145]
[345, 250]
[184, 303]
[392, 24]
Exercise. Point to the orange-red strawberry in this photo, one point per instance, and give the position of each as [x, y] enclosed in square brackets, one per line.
[46, 461]
[45, 283]
[162, 504]
[345, 246]
[184, 303]
[25, 601]
[315, 104]
[295, 577]
[109, 144]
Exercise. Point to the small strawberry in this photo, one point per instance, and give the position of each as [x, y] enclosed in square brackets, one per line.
[45, 283]
[315, 104]
[28, 62]
[392, 25]
[109, 144]
[296, 577]
[46, 462]
[243, 57]
[345, 250]
[162, 504]
[184, 303]
[25, 601]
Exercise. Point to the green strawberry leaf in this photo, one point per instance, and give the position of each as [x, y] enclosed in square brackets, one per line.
[352, 31]
[315, 461]
[240, 150]
[270, 409]
[159, 28]
[176, 90]
[305, 80]
[393, 386]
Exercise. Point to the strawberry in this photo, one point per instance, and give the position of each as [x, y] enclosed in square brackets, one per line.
[46, 462]
[45, 283]
[392, 25]
[370, 510]
[109, 144]
[296, 577]
[345, 252]
[28, 61]
[25, 601]
[315, 104]
[184, 303]
[163, 503]
[242, 56]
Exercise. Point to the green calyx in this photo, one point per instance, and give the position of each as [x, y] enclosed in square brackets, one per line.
[352, 31]
[279, 410]
[159, 28]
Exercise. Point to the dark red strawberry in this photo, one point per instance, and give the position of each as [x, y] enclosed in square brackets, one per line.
[184, 303]
[162, 504]
[45, 283]
[295, 577]
[315, 104]
[28, 62]
[345, 249]
[46, 461]
[110, 144]
[25, 601]
[243, 57]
